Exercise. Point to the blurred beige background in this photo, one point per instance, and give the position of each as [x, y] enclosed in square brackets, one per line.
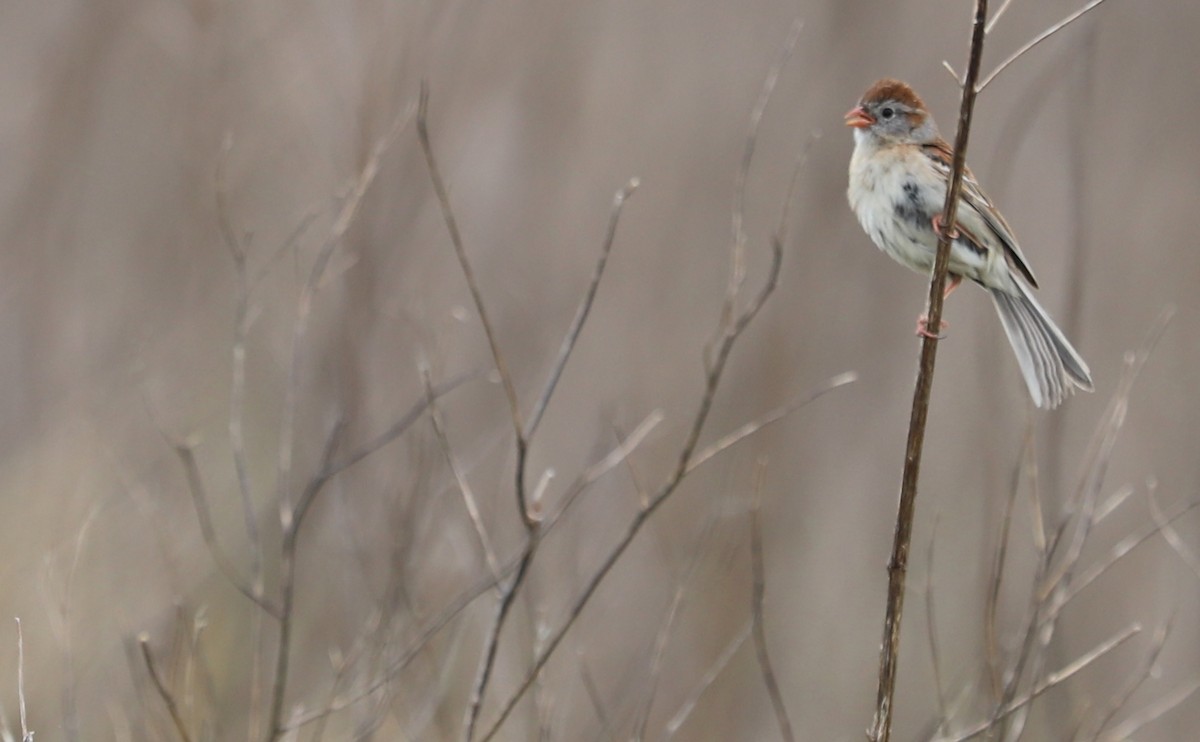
[118, 299]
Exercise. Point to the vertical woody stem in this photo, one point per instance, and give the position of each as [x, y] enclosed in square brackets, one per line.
[881, 728]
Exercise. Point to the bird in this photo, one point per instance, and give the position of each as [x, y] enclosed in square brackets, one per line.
[899, 174]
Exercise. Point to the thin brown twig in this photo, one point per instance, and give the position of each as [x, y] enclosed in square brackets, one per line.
[460, 476]
[772, 416]
[1037, 40]
[582, 312]
[292, 521]
[163, 692]
[439, 188]
[346, 217]
[593, 473]
[881, 727]
[758, 596]
[529, 509]
[187, 457]
[737, 254]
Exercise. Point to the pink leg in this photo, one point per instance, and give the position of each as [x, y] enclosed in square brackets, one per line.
[923, 320]
[923, 328]
[937, 227]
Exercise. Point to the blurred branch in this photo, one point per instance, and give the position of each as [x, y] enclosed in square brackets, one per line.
[667, 625]
[439, 188]
[1048, 682]
[163, 692]
[881, 728]
[427, 632]
[581, 313]
[460, 476]
[293, 525]
[1126, 729]
[1036, 40]
[708, 678]
[729, 331]
[758, 598]
[208, 532]
[737, 254]
[1135, 681]
[26, 735]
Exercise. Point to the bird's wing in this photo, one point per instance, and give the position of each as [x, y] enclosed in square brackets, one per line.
[973, 196]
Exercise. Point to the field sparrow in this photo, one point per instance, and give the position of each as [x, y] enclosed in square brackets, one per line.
[898, 178]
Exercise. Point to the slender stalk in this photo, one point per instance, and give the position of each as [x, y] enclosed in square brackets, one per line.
[881, 727]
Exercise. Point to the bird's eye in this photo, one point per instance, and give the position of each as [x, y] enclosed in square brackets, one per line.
[888, 112]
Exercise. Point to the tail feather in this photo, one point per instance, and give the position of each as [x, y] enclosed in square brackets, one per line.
[1051, 367]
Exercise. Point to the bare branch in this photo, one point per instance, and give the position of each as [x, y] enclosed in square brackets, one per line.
[582, 312]
[730, 329]
[427, 632]
[737, 267]
[597, 470]
[209, 533]
[464, 487]
[163, 692]
[881, 727]
[758, 598]
[1036, 40]
[439, 188]
[341, 225]
[996, 16]
[745, 431]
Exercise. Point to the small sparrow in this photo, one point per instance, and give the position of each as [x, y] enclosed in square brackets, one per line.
[899, 174]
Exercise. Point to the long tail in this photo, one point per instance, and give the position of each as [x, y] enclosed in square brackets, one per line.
[1051, 367]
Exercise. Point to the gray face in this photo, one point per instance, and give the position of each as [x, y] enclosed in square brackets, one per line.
[896, 120]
